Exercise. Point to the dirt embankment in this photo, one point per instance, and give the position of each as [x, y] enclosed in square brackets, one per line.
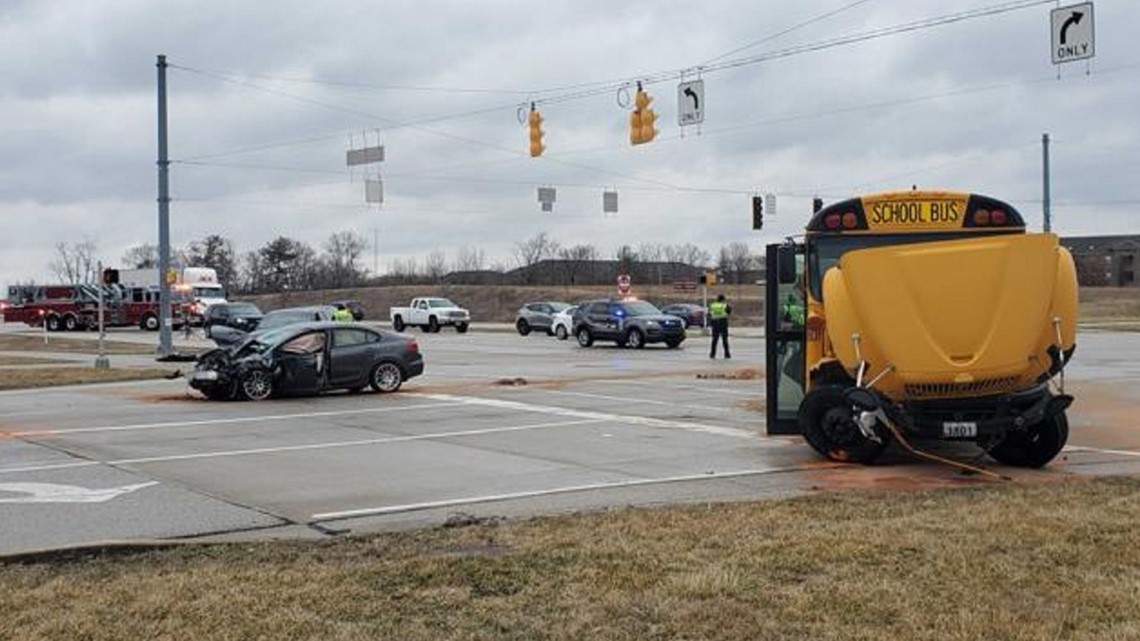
[491, 303]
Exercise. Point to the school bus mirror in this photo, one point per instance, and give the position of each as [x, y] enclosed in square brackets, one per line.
[786, 264]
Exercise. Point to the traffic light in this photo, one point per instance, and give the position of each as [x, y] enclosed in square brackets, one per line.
[757, 212]
[643, 119]
[110, 276]
[536, 133]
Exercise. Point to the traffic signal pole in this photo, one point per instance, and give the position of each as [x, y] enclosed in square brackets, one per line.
[164, 322]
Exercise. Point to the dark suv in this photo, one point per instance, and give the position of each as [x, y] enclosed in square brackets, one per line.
[626, 322]
[243, 316]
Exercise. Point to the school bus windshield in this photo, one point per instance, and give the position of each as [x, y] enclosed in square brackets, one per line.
[824, 251]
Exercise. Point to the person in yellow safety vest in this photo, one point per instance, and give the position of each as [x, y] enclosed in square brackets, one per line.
[342, 314]
[719, 311]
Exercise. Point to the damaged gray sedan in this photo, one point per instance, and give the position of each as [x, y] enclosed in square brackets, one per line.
[306, 359]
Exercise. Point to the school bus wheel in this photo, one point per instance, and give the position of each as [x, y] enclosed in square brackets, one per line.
[1035, 445]
[828, 423]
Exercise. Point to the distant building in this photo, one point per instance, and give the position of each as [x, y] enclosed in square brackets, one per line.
[1109, 261]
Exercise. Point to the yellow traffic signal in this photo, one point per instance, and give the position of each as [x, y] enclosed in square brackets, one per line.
[536, 133]
[643, 120]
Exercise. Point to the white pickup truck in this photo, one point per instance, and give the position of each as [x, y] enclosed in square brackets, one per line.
[430, 314]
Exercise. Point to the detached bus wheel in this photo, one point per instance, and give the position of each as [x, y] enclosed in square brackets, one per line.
[1034, 446]
[829, 425]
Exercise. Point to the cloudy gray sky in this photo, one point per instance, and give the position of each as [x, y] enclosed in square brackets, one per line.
[266, 97]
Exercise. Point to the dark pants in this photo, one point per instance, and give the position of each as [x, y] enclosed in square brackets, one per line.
[719, 330]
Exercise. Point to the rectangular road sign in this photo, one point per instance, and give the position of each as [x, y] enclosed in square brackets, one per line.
[365, 156]
[1072, 33]
[691, 103]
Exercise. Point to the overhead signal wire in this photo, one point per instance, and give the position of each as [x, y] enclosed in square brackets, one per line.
[784, 32]
[605, 87]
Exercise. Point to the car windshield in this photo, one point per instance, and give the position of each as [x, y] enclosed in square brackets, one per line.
[640, 308]
[243, 309]
[208, 292]
[440, 302]
[274, 320]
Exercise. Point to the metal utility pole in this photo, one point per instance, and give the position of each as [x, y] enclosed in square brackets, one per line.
[101, 361]
[1045, 181]
[164, 338]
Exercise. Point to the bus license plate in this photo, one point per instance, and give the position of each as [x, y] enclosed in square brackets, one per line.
[959, 429]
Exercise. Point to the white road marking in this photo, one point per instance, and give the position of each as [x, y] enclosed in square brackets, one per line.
[757, 393]
[413, 507]
[226, 421]
[56, 493]
[635, 401]
[1097, 450]
[300, 448]
[718, 430]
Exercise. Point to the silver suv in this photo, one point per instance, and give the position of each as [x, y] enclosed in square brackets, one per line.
[538, 316]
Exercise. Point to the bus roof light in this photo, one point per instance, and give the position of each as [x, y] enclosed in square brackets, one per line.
[981, 217]
[850, 220]
[998, 217]
[832, 221]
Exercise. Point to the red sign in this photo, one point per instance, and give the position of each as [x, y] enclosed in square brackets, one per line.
[623, 284]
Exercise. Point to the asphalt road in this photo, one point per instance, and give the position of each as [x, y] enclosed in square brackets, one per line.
[589, 429]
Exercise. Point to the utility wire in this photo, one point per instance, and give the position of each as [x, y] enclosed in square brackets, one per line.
[786, 31]
[593, 89]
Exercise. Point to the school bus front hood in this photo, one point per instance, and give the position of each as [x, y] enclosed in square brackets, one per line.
[953, 318]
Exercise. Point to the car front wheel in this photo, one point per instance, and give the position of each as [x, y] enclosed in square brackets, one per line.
[461, 328]
[386, 378]
[257, 385]
[635, 339]
[585, 339]
[523, 327]
[561, 332]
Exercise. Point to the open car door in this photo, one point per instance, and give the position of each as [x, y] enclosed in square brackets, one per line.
[301, 363]
[784, 337]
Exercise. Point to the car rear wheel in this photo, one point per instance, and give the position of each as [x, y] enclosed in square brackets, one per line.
[53, 323]
[70, 322]
[585, 338]
[398, 323]
[672, 343]
[523, 327]
[257, 385]
[386, 377]
[149, 322]
[1034, 446]
[561, 332]
[635, 339]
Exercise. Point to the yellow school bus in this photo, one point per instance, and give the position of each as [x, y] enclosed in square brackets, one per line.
[923, 314]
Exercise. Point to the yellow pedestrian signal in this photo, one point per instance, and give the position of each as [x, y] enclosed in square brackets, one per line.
[643, 120]
[536, 133]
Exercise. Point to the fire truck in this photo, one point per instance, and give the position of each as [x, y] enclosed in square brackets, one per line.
[76, 307]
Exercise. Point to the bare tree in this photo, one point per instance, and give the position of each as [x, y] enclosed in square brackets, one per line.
[530, 252]
[404, 270]
[343, 250]
[653, 253]
[144, 256]
[736, 259]
[74, 263]
[689, 254]
[626, 258]
[576, 260]
[470, 259]
[435, 266]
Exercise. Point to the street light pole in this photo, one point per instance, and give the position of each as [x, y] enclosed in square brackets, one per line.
[164, 338]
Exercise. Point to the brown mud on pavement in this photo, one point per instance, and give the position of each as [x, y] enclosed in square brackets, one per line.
[828, 476]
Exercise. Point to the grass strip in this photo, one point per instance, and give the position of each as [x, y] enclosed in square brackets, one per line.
[55, 376]
[1019, 562]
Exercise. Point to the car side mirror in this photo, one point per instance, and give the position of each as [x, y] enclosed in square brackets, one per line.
[786, 264]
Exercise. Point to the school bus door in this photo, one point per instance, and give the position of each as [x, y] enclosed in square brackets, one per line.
[784, 337]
